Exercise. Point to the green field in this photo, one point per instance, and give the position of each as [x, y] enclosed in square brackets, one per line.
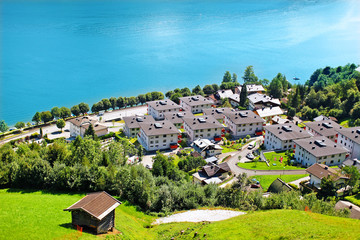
[266, 180]
[40, 215]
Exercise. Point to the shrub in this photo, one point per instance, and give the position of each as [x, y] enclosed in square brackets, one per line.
[294, 186]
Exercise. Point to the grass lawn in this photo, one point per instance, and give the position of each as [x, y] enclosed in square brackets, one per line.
[355, 199]
[263, 166]
[273, 224]
[266, 180]
[40, 215]
[226, 149]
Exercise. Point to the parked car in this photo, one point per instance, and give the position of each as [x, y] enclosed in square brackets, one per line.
[252, 145]
[250, 156]
[148, 166]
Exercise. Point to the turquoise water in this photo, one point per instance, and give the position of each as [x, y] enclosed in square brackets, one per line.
[59, 53]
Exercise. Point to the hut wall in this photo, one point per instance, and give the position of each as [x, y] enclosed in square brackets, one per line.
[82, 218]
[106, 223]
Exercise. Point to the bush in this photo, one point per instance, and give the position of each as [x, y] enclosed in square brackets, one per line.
[248, 136]
[34, 135]
[294, 186]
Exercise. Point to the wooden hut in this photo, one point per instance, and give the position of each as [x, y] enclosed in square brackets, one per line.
[95, 210]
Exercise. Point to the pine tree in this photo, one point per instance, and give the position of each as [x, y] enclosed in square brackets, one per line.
[243, 95]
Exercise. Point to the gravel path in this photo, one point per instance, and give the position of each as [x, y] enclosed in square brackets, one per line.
[199, 216]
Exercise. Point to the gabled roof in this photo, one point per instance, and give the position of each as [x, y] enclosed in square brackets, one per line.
[262, 98]
[288, 131]
[352, 133]
[158, 128]
[354, 210]
[133, 122]
[242, 117]
[195, 100]
[278, 186]
[352, 162]
[177, 117]
[320, 146]
[325, 128]
[202, 122]
[212, 169]
[235, 97]
[320, 171]
[251, 88]
[269, 111]
[98, 204]
[218, 113]
[85, 120]
[225, 93]
[165, 104]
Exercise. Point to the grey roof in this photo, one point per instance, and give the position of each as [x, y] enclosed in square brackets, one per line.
[320, 146]
[217, 113]
[262, 98]
[325, 128]
[242, 117]
[195, 100]
[177, 117]
[202, 122]
[158, 128]
[352, 133]
[165, 104]
[354, 210]
[288, 131]
[252, 88]
[235, 97]
[225, 93]
[133, 122]
[269, 111]
[352, 162]
[212, 169]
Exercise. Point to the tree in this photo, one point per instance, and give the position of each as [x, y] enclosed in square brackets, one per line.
[243, 96]
[215, 87]
[120, 102]
[20, 125]
[142, 98]
[3, 126]
[55, 111]
[197, 90]
[46, 116]
[234, 77]
[249, 75]
[75, 110]
[291, 112]
[327, 188]
[84, 108]
[37, 118]
[141, 150]
[65, 112]
[275, 88]
[185, 92]
[227, 77]
[157, 96]
[354, 176]
[90, 132]
[355, 111]
[60, 124]
[106, 104]
[176, 98]
[113, 102]
[131, 101]
[208, 89]
[148, 97]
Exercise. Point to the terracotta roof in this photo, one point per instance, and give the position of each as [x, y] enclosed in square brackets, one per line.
[218, 113]
[242, 117]
[320, 171]
[352, 133]
[202, 122]
[177, 117]
[288, 131]
[133, 122]
[325, 128]
[158, 128]
[195, 100]
[163, 104]
[320, 146]
[97, 204]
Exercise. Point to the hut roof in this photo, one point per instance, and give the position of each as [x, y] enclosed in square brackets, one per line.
[98, 204]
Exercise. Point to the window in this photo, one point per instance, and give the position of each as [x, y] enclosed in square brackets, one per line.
[151, 142]
[332, 156]
[332, 161]
[164, 136]
[164, 141]
[209, 130]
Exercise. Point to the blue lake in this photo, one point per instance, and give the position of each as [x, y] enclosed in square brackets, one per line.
[60, 53]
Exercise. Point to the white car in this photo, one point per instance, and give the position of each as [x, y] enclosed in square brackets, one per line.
[250, 156]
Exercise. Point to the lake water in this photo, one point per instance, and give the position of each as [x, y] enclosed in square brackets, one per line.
[60, 53]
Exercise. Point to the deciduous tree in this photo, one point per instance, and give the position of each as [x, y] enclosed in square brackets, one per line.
[60, 124]
[37, 118]
[75, 110]
[3, 126]
[84, 108]
[20, 125]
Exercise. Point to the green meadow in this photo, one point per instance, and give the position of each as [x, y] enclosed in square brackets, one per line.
[40, 215]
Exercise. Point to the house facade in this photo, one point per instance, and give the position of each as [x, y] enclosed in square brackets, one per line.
[79, 125]
[158, 135]
[157, 109]
[242, 123]
[195, 104]
[206, 148]
[350, 139]
[320, 171]
[319, 149]
[206, 127]
[132, 127]
[280, 137]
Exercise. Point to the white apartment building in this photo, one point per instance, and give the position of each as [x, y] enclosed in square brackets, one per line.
[281, 136]
[327, 128]
[158, 108]
[350, 139]
[176, 118]
[217, 113]
[320, 150]
[79, 125]
[132, 127]
[242, 123]
[159, 135]
[195, 104]
[202, 127]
